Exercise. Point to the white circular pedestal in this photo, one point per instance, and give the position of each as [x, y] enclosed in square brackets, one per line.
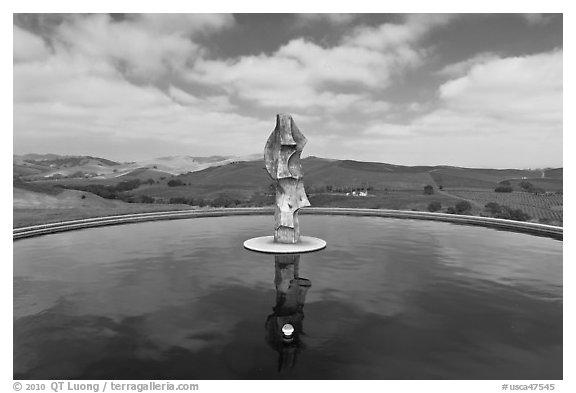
[268, 245]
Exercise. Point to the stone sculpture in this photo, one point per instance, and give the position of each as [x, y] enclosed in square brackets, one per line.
[282, 160]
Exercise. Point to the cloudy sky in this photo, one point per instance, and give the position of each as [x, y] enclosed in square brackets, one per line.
[478, 90]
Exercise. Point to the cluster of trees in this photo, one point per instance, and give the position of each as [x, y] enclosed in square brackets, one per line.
[220, 201]
[428, 190]
[503, 189]
[504, 186]
[109, 191]
[506, 212]
[462, 207]
[225, 201]
[529, 187]
[175, 183]
[188, 201]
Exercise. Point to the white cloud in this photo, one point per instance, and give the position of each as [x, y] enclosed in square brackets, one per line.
[145, 46]
[79, 87]
[77, 94]
[462, 67]
[28, 46]
[187, 24]
[521, 89]
[343, 64]
[86, 106]
[72, 85]
[218, 102]
[515, 96]
[510, 105]
[303, 74]
[397, 36]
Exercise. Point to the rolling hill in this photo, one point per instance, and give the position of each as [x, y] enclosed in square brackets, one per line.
[237, 181]
[356, 174]
[51, 166]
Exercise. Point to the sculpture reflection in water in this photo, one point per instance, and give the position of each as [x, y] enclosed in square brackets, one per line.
[284, 327]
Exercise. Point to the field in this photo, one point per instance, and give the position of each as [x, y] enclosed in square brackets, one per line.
[396, 200]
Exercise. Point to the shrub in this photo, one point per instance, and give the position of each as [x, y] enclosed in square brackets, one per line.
[127, 185]
[451, 210]
[503, 189]
[463, 207]
[222, 201]
[178, 201]
[126, 198]
[529, 187]
[146, 199]
[103, 191]
[513, 214]
[428, 190]
[493, 207]
[526, 186]
[434, 206]
[175, 183]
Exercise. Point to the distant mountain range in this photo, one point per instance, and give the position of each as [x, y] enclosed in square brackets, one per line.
[216, 170]
[53, 166]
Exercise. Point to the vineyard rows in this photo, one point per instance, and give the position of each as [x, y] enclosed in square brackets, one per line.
[538, 206]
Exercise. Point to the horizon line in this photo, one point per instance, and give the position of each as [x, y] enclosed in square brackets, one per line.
[309, 156]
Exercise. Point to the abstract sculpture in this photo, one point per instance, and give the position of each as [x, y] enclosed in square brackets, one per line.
[282, 161]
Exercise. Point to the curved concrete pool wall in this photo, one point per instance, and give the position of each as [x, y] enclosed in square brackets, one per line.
[518, 226]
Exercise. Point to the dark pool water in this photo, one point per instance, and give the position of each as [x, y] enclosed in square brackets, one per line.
[387, 299]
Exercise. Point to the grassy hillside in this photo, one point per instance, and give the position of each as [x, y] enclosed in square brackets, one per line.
[317, 172]
[542, 183]
[246, 183]
[557, 173]
[396, 200]
[33, 208]
[28, 217]
[451, 177]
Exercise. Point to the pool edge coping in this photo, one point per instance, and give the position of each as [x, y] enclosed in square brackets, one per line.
[63, 226]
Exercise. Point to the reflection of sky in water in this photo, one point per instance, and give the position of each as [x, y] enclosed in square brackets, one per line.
[183, 299]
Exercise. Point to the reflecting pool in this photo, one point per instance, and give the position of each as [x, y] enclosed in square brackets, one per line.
[387, 299]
